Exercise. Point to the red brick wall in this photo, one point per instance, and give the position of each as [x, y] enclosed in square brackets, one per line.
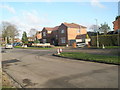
[116, 24]
[39, 36]
[54, 37]
[60, 35]
[70, 33]
[44, 37]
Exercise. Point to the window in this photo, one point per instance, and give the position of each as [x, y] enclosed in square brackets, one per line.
[63, 40]
[44, 40]
[78, 31]
[62, 31]
[44, 34]
[49, 31]
[56, 36]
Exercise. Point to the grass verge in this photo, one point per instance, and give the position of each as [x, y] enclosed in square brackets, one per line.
[32, 47]
[112, 47]
[92, 57]
[107, 47]
[6, 83]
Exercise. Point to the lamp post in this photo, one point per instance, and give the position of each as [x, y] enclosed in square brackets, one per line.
[97, 33]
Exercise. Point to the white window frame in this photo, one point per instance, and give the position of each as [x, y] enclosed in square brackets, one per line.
[44, 40]
[44, 33]
[56, 36]
[63, 40]
[62, 31]
[49, 31]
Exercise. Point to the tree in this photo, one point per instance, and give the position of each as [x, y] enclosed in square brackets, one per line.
[94, 28]
[36, 41]
[32, 32]
[104, 28]
[117, 17]
[9, 30]
[24, 38]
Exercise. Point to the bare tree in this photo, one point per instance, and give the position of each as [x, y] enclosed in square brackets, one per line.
[104, 28]
[32, 32]
[95, 28]
[9, 30]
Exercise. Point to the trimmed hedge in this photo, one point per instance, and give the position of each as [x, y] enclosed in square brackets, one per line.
[107, 40]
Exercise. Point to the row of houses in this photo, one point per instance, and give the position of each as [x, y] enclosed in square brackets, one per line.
[63, 34]
[66, 33]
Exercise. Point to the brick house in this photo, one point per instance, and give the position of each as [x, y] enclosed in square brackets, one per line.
[116, 24]
[50, 35]
[54, 36]
[69, 31]
[31, 39]
[39, 35]
[46, 34]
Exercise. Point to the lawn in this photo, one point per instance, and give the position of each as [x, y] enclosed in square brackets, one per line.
[32, 47]
[107, 47]
[111, 47]
[91, 57]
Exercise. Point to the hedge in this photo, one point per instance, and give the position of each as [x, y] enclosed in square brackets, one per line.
[107, 40]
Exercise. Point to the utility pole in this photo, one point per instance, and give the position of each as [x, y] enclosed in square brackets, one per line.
[97, 33]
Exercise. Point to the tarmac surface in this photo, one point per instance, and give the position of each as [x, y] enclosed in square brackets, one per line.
[39, 69]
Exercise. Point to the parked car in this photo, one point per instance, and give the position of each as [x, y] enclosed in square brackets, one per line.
[8, 46]
[17, 44]
[80, 44]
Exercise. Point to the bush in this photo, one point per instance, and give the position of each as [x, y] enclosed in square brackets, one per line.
[93, 41]
[107, 40]
[116, 39]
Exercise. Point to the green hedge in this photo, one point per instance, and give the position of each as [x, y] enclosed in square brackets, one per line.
[107, 40]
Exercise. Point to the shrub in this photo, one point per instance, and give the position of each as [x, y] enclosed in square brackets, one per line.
[116, 39]
[107, 40]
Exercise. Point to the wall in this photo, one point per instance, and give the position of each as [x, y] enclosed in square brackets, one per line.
[116, 24]
[60, 35]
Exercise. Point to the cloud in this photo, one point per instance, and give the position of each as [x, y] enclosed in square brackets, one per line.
[9, 8]
[29, 19]
[97, 3]
[33, 18]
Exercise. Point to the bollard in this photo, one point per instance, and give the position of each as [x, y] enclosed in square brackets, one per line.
[58, 51]
[67, 45]
[103, 46]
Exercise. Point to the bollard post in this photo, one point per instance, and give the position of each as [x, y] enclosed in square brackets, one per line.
[58, 51]
[103, 46]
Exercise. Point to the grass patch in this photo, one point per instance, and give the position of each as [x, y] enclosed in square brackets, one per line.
[111, 47]
[33, 47]
[91, 57]
[6, 83]
[106, 47]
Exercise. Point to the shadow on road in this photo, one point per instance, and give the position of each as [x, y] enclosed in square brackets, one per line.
[10, 61]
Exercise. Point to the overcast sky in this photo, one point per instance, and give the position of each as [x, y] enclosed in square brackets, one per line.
[27, 15]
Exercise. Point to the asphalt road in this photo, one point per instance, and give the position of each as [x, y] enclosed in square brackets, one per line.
[39, 69]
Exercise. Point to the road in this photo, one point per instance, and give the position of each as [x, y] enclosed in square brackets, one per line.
[39, 69]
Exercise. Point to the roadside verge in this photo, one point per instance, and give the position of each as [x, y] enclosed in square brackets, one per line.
[9, 82]
[89, 60]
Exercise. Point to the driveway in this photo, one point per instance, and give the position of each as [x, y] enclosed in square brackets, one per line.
[39, 69]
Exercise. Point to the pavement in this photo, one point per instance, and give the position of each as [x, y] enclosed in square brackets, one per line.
[39, 69]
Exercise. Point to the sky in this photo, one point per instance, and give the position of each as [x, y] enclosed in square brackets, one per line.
[27, 15]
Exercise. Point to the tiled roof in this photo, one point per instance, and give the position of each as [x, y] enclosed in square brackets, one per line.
[51, 28]
[56, 28]
[73, 25]
[48, 28]
[30, 37]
